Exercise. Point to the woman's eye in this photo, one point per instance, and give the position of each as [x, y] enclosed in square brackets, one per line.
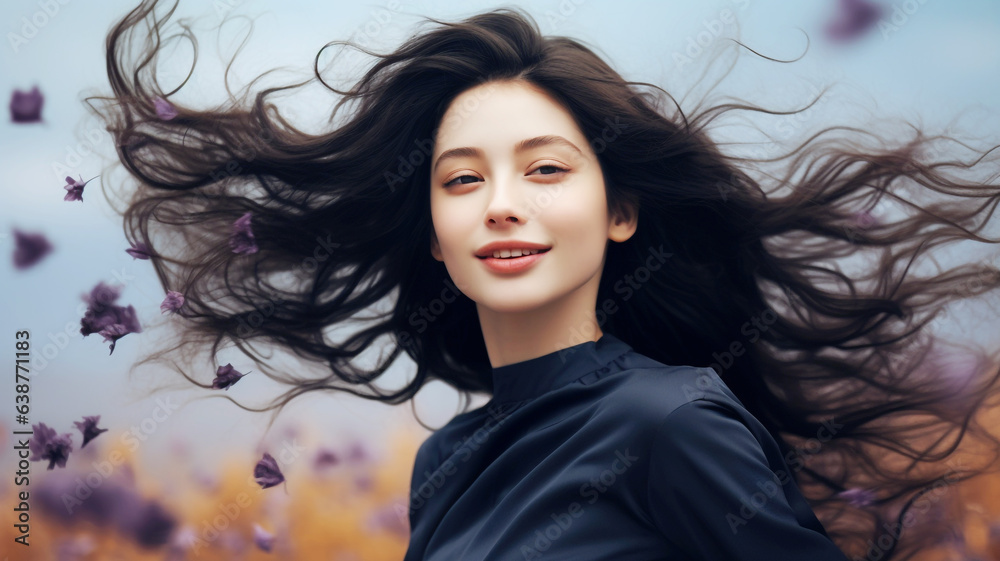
[471, 177]
[551, 167]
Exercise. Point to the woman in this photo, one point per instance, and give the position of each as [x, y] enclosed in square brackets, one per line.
[672, 375]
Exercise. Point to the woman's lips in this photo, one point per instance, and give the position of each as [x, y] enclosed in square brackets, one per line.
[511, 264]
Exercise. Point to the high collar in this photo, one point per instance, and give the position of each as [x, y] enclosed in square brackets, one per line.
[531, 378]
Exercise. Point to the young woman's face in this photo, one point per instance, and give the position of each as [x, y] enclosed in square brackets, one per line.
[511, 165]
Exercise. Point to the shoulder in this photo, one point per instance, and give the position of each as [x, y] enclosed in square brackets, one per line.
[687, 409]
[648, 391]
[439, 445]
[701, 424]
[718, 489]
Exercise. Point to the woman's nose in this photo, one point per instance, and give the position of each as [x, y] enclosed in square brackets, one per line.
[505, 203]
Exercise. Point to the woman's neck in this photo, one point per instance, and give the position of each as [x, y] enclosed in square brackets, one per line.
[516, 336]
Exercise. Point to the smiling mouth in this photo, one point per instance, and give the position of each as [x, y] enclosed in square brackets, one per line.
[499, 254]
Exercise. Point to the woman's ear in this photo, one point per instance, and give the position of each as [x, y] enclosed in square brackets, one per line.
[435, 248]
[623, 222]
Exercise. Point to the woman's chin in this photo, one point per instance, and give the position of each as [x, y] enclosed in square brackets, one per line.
[509, 304]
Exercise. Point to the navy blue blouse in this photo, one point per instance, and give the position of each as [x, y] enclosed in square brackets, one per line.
[596, 452]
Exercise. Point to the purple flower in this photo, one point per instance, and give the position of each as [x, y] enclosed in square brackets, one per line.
[225, 377]
[26, 107]
[242, 239]
[29, 249]
[46, 445]
[57, 499]
[127, 323]
[857, 497]
[164, 109]
[74, 188]
[267, 473]
[262, 538]
[172, 302]
[89, 428]
[114, 504]
[855, 17]
[138, 250]
[104, 317]
[152, 525]
[325, 458]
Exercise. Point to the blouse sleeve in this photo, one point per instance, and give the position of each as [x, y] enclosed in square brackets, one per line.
[713, 495]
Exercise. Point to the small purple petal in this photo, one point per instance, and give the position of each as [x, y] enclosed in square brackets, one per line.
[46, 445]
[138, 250]
[26, 107]
[164, 109]
[125, 322]
[857, 497]
[172, 302]
[855, 17]
[29, 249]
[89, 428]
[225, 377]
[74, 192]
[74, 188]
[103, 316]
[267, 473]
[242, 239]
[262, 538]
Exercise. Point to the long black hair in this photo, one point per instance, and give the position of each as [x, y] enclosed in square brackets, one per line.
[845, 372]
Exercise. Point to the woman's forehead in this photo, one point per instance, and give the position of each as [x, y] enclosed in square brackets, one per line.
[504, 110]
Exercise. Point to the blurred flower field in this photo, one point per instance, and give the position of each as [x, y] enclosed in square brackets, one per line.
[337, 503]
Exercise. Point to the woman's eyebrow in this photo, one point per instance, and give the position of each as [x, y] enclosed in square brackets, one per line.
[526, 144]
